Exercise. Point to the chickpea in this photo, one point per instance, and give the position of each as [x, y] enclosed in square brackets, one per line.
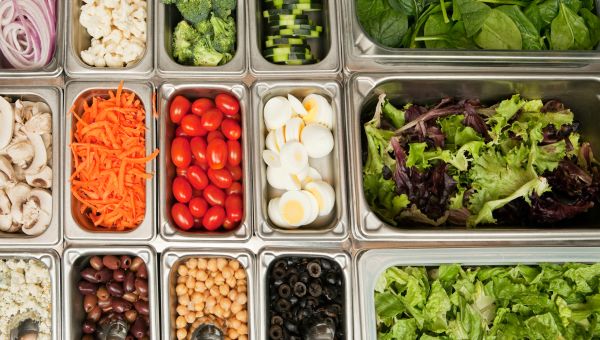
[181, 310]
[227, 272]
[180, 322]
[242, 316]
[214, 291]
[196, 297]
[232, 294]
[234, 323]
[210, 303]
[190, 317]
[240, 274]
[192, 272]
[181, 333]
[209, 283]
[241, 299]
[190, 283]
[221, 263]
[192, 263]
[199, 314]
[181, 279]
[218, 311]
[201, 275]
[231, 282]
[224, 290]
[219, 279]
[182, 270]
[183, 299]
[232, 333]
[236, 307]
[243, 337]
[243, 329]
[180, 289]
[202, 264]
[234, 264]
[199, 306]
[212, 265]
[200, 286]
[225, 304]
[226, 313]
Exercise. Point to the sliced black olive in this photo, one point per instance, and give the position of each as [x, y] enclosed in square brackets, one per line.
[299, 289]
[304, 277]
[278, 274]
[292, 271]
[276, 320]
[292, 279]
[290, 326]
[330, 292]
[293, 300]
[325, 264]
[315, 289]
[284, 291]
[333, 311]
[311, 302]
[276, 332]
[287, 315]
[331, 278]
[283, 305]
[314, 269]
[280, 264]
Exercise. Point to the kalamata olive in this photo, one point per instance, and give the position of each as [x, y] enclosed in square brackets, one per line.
[105, 304]
[102, 293]
[103, 275]
[88, 327]
[142, 272]
[276, 332]
[314, 269]
[142, 286]
[131, 315]
[129, 337]
[120, 306]
[95, 314]
[111, 262]
[89, 302]
[136, 263]
[125, 262]
[96, 262]
[131, 297]
[119, 275]
[139, 328]
[129, 283]
[89, 274]
[87, 337]
[142, 307]
[115, 288]
[86, 287]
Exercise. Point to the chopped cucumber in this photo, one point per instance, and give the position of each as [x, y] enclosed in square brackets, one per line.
[284, 41]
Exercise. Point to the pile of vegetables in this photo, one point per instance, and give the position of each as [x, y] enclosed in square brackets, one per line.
[482, 24]
[549, 301]
[207, 35]
[109, 175]
[27, 33]
[519, 162]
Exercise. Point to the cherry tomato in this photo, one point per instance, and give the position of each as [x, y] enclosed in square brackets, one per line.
[214, 195]
[181, 154]
[236, 172]
[215, 135]
[231, 129]
[211, 119]
[181, 216]
[234, 207]
[192, 126]
[179, 107]
[182, 189]
[216, 154]
[229, 224]
[235, 189]
[198, 207]
[198, 148]
[228, 104]
[221, 178]
[213, 218]
[179, 132]
[201, 105]
[197, 177]
[181, 172]
[234, 156]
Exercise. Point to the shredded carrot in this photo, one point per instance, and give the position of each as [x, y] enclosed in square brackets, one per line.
[108, 144]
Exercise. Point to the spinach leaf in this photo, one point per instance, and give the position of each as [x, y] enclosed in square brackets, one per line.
[529, 34]
[456, 37]
[568, 30]
[381, 22]
[542, 14]
[574, 5]
[589, 4]
[409, 7]
[593, 23]
[499, 32]
[474, 14]
[435, 26]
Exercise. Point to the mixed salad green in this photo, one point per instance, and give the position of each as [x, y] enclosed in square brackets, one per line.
[549, 301]
[519, 162]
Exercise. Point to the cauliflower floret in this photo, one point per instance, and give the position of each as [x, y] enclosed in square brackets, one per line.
[96, 19]
[114, 36]
[133, 51]
[113, 60]
[110, 3]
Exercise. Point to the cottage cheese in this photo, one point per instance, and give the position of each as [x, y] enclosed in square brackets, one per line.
[25, 292]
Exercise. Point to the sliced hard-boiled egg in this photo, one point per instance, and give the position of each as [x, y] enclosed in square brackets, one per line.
[317, 139]
[319, 110]
[295, 208]
[280, 137]
[297, 106]
[271, 142]
[280, 179]
[277, 112]
[293, 129]
[275, 214]
[294, 157]
[271, 158]
[311, 175]
[314, 206]
[324, 194]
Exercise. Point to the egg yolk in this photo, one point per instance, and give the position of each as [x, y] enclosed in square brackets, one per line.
[319, 198]
[293, 212]
[312, 109]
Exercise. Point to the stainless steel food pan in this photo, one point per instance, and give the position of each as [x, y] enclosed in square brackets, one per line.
[167, 18]
[77, 39]
[167, 92]
[333, 228]
[76, 259]
[52, 96]
[55, 67]
[51, 260]
[269, 255]
[580, 93]
[170, 260]
[78, 228]
[328, 47]
[363, 54]
[370, 264]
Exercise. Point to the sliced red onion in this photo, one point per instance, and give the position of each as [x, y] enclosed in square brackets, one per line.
[27, 32]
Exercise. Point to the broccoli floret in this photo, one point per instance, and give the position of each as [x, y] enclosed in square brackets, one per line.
[168, 2]
[224, 34]
[184, 38]
[223, 8]
[205, 54]
[205, 28]
[194, 11]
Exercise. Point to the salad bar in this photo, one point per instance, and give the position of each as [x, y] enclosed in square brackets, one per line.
[299, 169]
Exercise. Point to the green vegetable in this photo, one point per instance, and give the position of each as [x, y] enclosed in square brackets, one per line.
[490, 37]
[569, 31]
[529, 35]
[224, 8]
[546, 301]
[381, 22]
[195, 11]
[224, 34]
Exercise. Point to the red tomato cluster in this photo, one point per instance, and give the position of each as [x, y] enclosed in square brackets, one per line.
[207, 153]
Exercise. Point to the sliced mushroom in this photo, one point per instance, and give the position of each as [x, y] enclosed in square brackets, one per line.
[42, 179]
[19, 173]
[37, 212]
[21, 153]
[4, 182]
[39, 124]
[6, 220]
[7, 122]
[7, 168]
[40, 157]
[18, 195]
